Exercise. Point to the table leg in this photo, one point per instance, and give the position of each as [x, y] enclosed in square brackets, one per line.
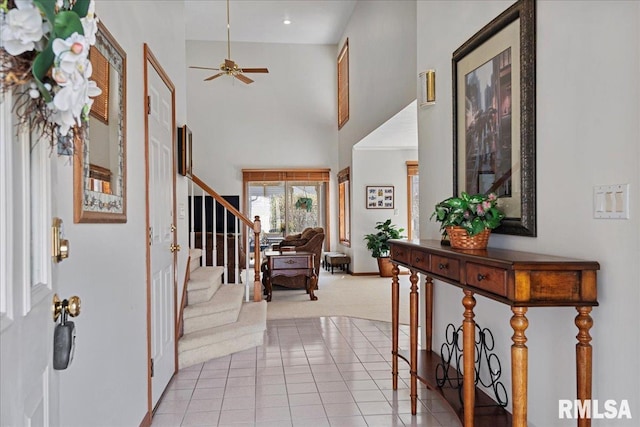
[428, 312]
[268, 286]
[468, 357]
[519, 366]
[413, 340]
[395, 301]
[584, 322]
[312, 282]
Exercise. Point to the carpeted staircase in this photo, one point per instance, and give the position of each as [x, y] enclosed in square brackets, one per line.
[216, 320]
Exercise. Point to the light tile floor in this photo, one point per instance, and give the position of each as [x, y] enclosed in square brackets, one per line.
[327, 371]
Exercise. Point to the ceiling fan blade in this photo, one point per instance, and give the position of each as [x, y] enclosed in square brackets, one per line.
[213, 77]
[204, 68]
[243, 79]
[255, 70]
[229, 63]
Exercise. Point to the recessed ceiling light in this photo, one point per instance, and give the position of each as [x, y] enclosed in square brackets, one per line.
[286, 21]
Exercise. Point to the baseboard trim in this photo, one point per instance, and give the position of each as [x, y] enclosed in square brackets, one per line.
[183, 303]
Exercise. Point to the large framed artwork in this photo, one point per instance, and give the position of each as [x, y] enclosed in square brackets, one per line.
[494, 129]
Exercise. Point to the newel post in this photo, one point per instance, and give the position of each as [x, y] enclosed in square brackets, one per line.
[257, 285]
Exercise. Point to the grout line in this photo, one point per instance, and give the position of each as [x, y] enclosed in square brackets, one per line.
[341, 340]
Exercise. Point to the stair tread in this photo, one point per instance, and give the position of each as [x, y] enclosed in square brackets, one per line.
[252, 318]
[219, 349]
[228, 297]
[203, 277]
[194, 254]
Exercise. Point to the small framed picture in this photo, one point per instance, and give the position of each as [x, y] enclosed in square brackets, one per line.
[380, 197]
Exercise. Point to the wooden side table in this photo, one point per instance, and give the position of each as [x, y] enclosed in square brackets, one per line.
[518, 279]
[291, 264]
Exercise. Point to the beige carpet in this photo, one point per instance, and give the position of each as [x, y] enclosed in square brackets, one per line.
[366, 297]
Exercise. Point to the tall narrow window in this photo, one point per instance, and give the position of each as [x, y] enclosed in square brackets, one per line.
[343, 85]
[344, 208]
[287, 201]
[413, 200]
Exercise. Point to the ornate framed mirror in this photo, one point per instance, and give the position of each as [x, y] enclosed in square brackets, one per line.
[99, 164]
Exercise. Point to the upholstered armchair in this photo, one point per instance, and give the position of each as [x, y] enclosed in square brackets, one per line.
[231, 252]
[310, 240]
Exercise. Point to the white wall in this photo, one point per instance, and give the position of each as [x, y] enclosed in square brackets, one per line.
[376, 167]
[107, 383]
[382, 64]
[382, 82]
[588, 62]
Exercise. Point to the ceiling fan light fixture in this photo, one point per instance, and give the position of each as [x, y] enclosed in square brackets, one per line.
[229, 66]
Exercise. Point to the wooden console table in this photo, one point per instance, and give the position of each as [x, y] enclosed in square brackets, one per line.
[518, 279]
[291, 264]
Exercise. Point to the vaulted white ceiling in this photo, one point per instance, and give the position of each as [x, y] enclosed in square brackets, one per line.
[312, 21]
[400, 131]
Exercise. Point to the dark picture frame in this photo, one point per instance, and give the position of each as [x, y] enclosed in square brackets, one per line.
[380, 197]
[494, 116]
[185, 145]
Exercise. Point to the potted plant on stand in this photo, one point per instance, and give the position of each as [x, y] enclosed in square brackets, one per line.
[468, 220]
[378, 244]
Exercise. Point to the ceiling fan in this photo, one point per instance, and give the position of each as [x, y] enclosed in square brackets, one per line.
[229, 67]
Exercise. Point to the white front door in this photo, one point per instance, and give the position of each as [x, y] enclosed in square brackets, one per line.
[29, 387]
[160, 130]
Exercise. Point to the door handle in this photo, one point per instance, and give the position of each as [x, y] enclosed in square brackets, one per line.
[174, 248]
[70, 306]
[64, 335]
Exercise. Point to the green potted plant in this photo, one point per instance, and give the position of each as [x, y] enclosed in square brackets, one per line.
[378, 244]
[304, 203]
[468, 220]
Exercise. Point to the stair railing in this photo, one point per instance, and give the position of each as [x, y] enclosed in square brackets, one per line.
[242, 228]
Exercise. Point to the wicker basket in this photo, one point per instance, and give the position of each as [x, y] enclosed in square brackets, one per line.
[460, 239]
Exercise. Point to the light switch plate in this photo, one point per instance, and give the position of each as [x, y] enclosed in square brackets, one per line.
[611, 201]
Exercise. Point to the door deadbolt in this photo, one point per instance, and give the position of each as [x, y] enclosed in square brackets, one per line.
[59, 245]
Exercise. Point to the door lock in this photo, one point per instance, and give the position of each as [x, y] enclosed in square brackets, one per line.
[174, 248]
[59, 245]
